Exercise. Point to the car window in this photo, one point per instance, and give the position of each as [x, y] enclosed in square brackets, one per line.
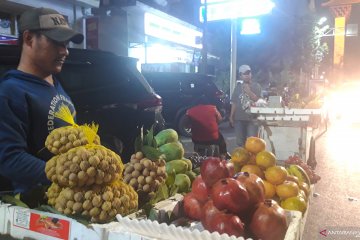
[83, 77]
[163, 83]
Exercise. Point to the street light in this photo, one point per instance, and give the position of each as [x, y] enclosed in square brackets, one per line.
[213, 10]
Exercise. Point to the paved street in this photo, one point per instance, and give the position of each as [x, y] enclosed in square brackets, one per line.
[337, 201]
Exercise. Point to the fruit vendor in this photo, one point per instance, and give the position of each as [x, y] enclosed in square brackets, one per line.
[30, 95]
[244, 93]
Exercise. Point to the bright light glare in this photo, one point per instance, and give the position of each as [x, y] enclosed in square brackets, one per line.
[322, 20]
[250, 26]
[236, 9]
[324, 28]
[171, 31]
[344, 105]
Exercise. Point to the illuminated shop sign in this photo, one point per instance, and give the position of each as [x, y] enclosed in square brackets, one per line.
[250, 26]
[174, 32]
[220, 10]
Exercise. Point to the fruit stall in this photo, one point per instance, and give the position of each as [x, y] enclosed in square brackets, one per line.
[160, 193]
[289, 131]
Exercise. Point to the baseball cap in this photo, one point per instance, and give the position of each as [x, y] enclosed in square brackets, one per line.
[244, 68]
[50, 23]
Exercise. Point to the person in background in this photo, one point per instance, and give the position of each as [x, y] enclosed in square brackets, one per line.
[204, 118]
[242, 121]
[30, 95]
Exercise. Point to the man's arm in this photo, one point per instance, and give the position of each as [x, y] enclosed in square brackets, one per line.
[250, 93]
[234, 98]
[232, 112]
[218, 115]
[15, 162]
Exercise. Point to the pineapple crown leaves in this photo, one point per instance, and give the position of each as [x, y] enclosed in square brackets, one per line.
[147, 144]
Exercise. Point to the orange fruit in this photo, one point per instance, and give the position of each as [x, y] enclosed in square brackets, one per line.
[294, 203]
[240, 155]
[287, 189]
[255, 144]
[270, 189]
[252, 159]
[276, 174]
[253, 169]
[265, 159]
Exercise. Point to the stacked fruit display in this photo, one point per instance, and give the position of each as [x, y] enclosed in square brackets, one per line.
[86, 176]
[290, 187]
[234, 205]
[176, 164]
[159, 161]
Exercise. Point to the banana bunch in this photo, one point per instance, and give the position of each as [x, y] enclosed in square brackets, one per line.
[299, 172]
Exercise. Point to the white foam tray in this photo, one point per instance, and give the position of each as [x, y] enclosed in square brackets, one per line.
[130, 229]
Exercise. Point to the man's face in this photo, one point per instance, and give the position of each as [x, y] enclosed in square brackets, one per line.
[48, 55]
[246, 76]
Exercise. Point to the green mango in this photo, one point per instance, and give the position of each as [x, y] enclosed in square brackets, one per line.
[189, 162]
[183, 182]
[179, 166]
[166, 136]
[191, 175]
[172, 151]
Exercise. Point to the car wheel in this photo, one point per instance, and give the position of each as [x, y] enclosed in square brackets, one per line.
[182, 128]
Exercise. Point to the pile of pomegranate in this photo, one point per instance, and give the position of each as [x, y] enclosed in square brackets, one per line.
[233, 204]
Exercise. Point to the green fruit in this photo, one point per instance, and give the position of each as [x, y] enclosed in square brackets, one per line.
[183, 182]
[191, 175]
[166, 136]
[299, 172]
[189, 163]
[172, 151]
[294, 203]
[180, 166]
[197, 170]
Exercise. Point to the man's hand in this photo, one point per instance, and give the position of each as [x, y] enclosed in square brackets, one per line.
[247, 90]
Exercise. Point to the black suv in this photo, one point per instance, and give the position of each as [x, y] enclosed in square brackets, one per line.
[180, 91]
[106, 89]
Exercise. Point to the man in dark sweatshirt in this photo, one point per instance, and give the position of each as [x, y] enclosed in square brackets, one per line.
[30, 95]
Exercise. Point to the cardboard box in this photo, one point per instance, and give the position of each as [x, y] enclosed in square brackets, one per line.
[19, 222]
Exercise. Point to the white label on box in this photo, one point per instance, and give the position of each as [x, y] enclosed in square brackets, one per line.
[22, 218]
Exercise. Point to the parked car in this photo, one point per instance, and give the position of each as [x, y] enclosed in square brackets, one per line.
[106, 89]
[181, 91]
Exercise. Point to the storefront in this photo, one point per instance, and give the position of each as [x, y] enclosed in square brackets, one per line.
[162, 43]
